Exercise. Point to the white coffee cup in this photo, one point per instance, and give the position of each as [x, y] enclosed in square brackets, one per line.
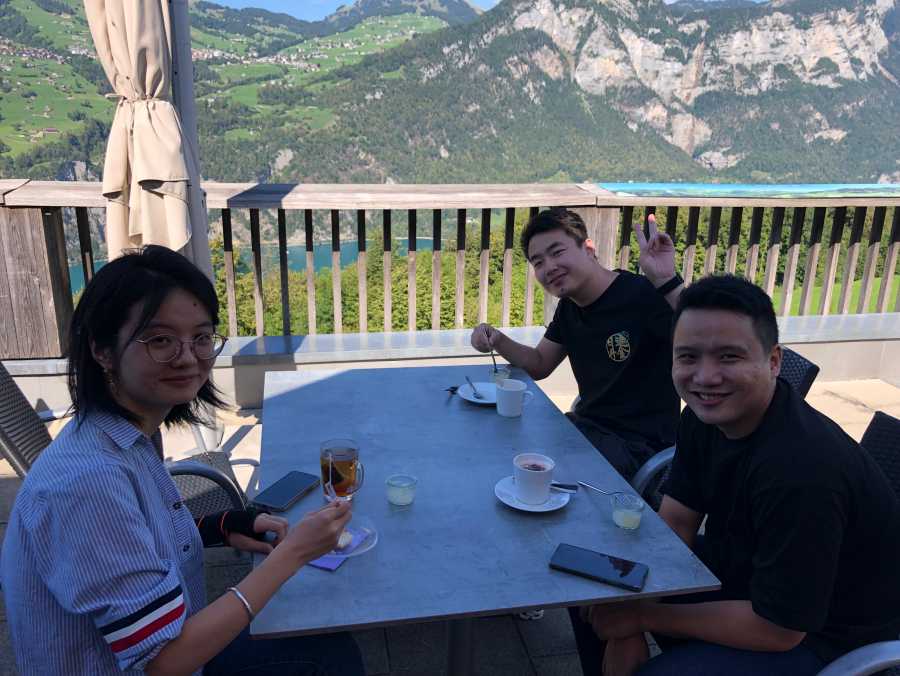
[532, 473]
[512, 397]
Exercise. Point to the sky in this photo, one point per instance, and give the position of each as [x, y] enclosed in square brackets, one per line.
[313, 10]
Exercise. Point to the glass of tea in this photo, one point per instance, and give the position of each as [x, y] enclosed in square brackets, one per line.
[342, 472]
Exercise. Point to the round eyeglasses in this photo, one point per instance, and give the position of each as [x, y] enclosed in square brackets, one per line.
[165, 348]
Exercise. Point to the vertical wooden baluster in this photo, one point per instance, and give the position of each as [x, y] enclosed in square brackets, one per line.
[790, 267]
[362, 267]
[283, 274]
[257, 272]
[756, 220]
[672, 226]
[336, 294]
[84, 243]
[831, 262]
[890, 264]
[774, 250]
[687, 262]
[411, 216]
[529, 280]
[625, 237]
[310, 273]
[507, 265]
[484, 270]
[672, 222]
[856, 233]
[229, 272]
[386, 279]
[712, 240]
[868, 278]
[460, 267]
[436, 269]
[812, 259]
[734, 239]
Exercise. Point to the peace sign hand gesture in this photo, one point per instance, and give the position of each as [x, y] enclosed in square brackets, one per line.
[657, 258]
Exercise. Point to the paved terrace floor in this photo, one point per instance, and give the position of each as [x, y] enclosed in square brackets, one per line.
[505, 646]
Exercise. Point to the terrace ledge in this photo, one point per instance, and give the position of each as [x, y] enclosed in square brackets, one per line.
[454, 343]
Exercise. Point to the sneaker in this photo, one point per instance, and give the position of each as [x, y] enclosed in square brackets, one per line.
[531, 614]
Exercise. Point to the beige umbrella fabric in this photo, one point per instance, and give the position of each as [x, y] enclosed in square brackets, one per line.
[151, 174]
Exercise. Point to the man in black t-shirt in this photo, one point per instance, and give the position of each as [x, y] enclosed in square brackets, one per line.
[614, 326]
[802, 529]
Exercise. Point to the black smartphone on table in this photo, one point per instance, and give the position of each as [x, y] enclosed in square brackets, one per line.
[601, 567]
[280, 496]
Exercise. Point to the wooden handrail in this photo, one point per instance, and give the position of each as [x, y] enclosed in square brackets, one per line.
[293, 196]
[702, 233]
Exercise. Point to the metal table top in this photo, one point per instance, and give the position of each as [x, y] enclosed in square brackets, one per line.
[457, 551]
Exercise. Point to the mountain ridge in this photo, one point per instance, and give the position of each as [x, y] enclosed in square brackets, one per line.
[790, 90]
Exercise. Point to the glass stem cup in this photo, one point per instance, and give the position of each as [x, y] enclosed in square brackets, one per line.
[342, 472]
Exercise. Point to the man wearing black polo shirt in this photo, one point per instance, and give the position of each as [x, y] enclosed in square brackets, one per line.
[803, 529]
[614, 327]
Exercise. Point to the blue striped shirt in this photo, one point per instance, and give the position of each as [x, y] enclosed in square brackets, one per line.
[102, 563]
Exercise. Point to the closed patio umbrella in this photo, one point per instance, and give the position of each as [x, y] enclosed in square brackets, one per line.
[151, 176]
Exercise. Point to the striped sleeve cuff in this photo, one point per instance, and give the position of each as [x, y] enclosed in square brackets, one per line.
[132, 636]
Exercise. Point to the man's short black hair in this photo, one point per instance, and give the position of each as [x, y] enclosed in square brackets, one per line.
[735, 294]
[554, 219]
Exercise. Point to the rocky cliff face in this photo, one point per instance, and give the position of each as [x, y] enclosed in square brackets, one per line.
[662, 67]
[675, 60]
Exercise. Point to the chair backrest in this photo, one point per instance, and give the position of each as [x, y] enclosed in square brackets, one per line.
[799, 371]
[882, 441]
[203, 492]
[23, 435]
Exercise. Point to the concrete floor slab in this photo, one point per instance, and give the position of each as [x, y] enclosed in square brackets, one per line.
[499, 648]
[418, 649]
[373, 646]
[558, 665]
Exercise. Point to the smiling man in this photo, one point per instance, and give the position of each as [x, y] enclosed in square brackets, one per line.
[802, 528]
[614, 326]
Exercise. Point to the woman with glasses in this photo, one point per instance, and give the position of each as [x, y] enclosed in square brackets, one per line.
[102, 565]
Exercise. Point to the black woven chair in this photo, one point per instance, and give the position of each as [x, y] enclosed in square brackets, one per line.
[799, 371]
[207, 483]
[796, 369]
[882, 441]
[206, 480]
[23, 432]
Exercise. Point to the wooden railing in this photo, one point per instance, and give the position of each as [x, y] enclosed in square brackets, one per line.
[713, 235]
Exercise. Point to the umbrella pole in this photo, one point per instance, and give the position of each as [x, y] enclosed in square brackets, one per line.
[197, 248]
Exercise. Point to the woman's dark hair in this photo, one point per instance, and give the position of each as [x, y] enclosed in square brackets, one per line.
[735, 294]
[554, 219]
[143, 277]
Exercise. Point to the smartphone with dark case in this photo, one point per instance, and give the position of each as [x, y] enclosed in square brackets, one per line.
[280, 496]
[601, 567]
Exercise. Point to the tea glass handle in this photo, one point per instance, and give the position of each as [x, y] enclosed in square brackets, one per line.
[360, 476]
[527, 397]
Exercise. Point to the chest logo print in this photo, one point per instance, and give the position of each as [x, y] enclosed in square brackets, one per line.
[618, 347]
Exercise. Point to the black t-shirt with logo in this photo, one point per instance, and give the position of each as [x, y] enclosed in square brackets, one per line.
[620, 349]
[801, 521]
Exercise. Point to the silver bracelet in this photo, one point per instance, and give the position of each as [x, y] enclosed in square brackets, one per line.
[243, 600]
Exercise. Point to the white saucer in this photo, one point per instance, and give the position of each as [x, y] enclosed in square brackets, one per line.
[505, 490]
[488, 391]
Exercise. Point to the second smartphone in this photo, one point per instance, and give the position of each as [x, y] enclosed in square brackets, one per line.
[601, 567]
